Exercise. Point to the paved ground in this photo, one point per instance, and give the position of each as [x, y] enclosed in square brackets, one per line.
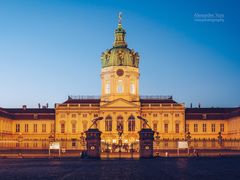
[158, 168]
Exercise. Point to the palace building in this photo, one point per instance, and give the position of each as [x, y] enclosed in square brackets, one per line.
[119, 105]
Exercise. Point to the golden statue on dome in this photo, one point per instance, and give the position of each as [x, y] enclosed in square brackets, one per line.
[120, 18]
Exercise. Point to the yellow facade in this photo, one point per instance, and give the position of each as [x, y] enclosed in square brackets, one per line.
[207, 129]
[119, 104]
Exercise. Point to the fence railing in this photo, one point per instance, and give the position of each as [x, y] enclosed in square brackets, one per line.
[79, 145]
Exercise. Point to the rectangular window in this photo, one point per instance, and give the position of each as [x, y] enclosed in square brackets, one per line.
[52, 127]
[35, 144]
[204, 127]
[74, 115]
[85, 126]
[44, 144]
[26, 145]
[155, 127]
[132, 87]
[84, 115]
[166, 128]
[95, 115]
[107, 87]
[62, 128]
[176, 115]
[74, 143]
[120, 86]
[166, 144]
[17, 127]
[213, 127]
[195, 128]
[35, 128]
[44, 127]
[35, 116]
[177, 128]
[204, 116]
[187, 128]
[165, 115]
[26, 128]
[62, 115]
[221, 127]
[74, 128]
[154, 115]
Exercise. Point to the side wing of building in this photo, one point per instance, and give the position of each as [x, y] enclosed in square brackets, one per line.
[206, 123]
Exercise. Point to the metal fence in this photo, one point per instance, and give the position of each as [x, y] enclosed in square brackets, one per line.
[80, 145]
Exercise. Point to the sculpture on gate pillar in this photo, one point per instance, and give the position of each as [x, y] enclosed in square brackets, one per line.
[146, 137]
[93, 138]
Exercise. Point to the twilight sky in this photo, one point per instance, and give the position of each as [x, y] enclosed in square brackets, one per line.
[51, 49]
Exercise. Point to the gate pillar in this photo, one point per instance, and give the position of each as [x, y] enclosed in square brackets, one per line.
[93, 138]
[146, 143]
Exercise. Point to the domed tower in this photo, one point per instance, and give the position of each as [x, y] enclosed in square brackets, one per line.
[120, 69]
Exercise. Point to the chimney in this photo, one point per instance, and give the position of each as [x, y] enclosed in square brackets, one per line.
[39, 105]
[191, 105]
[24, 107]
[199, 105]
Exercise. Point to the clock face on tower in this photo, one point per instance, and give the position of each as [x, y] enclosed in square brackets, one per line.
[120, 72]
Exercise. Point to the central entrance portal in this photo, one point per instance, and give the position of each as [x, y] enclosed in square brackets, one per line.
[120, 149]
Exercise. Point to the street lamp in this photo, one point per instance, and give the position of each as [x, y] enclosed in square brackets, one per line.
[120, 132]
[108, 151]
[157, 140]
[51, 138]
[82, 141]
[20, 138]
[220, 138]
[188, 136]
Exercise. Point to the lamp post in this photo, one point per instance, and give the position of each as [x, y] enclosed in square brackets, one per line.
[51, 138]
[108, 150]
[220, 139]
[120, 132]
[20, 138]
[157, 140]
[82, 142]
[131, 150]
[188, 137]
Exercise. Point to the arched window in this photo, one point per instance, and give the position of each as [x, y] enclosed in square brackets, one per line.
[120, 86]
[131, 123]
[108, 123]
[120, 123]
[107, 87]
[132, 87]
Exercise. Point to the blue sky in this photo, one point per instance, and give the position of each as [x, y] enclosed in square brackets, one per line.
[51, 49]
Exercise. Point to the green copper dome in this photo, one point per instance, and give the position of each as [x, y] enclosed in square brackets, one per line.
[120, 54]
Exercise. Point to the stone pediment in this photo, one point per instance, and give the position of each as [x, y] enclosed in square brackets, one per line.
[120, 103]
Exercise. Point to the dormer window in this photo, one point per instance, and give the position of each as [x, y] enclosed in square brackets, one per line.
[204, 116]
[35, 116]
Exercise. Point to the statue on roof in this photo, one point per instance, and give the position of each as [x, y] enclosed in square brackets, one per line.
[120, 18]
